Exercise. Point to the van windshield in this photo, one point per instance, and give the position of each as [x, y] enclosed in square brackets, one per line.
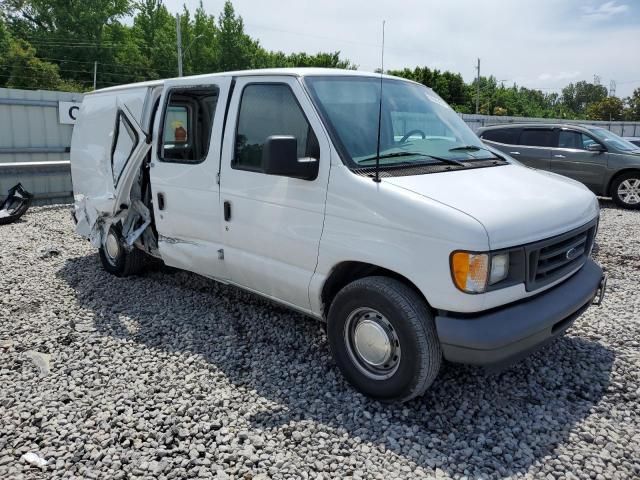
[417, 125]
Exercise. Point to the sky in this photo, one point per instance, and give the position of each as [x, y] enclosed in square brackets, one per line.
[543, 44]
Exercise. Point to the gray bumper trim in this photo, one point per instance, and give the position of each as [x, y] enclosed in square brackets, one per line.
[506, 334]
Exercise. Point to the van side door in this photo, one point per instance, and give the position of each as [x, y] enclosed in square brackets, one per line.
[184, 173]
[534, 149]
[571, 158]
[273, 223]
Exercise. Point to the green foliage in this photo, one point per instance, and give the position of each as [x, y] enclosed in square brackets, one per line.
[450, 86]
[577, 97]
[633, 106]
[54, 43]
[68, 36]
[610, 108]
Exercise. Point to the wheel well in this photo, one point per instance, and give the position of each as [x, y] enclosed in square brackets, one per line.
[346, 272]
[617, 175]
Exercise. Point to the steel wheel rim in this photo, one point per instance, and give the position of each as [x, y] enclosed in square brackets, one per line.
[112, 248]
[372, 343]
[629, 191]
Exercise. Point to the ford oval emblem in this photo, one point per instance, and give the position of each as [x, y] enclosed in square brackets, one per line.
[572, 253]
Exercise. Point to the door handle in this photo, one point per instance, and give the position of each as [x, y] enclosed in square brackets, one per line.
[227, 210]
[559, 156]
[160, 201]
[514, 153]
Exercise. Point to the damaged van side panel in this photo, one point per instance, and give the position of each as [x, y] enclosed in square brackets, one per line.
[105, 173]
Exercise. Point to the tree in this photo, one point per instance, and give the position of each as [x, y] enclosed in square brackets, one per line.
[200, 54]
[610, 108]
[29, 72]
[576, 97]
[154, 38]
[450, 86]
[234, 48]
[74, 33]
[632, 111]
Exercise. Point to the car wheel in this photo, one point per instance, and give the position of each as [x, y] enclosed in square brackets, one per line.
[383, 338]
[625, 190]
[116, 259]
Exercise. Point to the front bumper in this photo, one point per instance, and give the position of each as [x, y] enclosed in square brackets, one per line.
[506, 334]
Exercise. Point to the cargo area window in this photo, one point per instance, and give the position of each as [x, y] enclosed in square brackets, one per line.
[266, 110]
[125, 140]
[187, 123]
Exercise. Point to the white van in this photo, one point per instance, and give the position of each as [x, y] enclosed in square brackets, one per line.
[267, 180]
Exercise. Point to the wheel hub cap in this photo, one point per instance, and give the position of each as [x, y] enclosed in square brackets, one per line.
[372, 343]
[629, 191]
[112, 247]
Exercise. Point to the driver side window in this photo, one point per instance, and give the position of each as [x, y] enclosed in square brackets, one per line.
[268, 109]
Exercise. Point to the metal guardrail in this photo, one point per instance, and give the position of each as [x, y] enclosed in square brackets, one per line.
[49, 181]
[29, 102]
[40, 166]
[14, 150]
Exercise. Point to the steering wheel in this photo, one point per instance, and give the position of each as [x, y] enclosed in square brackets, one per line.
[406, 137]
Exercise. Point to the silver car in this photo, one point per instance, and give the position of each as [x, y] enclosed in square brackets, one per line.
[606, 163]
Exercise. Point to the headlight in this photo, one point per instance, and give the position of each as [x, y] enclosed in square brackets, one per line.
[474, 272]
[499, 268]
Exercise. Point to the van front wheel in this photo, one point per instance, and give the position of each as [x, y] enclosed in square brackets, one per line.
[116, 259]
[383, 338]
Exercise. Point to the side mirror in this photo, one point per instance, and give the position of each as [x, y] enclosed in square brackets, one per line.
[280, 157]
[596, 147]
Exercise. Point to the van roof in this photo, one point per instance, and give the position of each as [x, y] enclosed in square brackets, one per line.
[296, 72]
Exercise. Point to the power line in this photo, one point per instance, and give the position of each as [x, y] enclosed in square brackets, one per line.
[122, 65]
[88, 71]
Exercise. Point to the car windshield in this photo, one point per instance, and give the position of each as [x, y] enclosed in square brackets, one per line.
[417, 125]
[613, 140]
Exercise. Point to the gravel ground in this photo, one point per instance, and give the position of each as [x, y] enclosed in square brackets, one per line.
[170, 375]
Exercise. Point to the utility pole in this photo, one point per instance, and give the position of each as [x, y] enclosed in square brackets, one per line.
[179, 39]
[612, 93]
[478, 89]
[95, 74]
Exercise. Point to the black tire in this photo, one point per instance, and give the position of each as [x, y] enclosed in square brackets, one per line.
[123, 263]
[626, 179]
[406, 320]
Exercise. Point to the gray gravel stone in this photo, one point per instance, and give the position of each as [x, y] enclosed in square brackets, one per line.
[170, 375]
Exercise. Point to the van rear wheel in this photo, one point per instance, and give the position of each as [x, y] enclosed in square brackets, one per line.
[383, 338]
[116, 259]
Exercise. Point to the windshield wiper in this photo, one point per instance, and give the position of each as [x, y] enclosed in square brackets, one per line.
[475, 148]
[450, 161]
[465, 147]
[391, 155]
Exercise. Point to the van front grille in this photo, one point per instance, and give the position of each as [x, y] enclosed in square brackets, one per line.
[555, 257]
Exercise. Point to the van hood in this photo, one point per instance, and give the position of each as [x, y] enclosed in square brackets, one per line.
[515, 204]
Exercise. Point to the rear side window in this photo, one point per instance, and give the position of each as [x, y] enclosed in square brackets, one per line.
[187, 123]
[124, 142]
[266, 110]
[575, 140]
[537, 137]
[502, 135]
